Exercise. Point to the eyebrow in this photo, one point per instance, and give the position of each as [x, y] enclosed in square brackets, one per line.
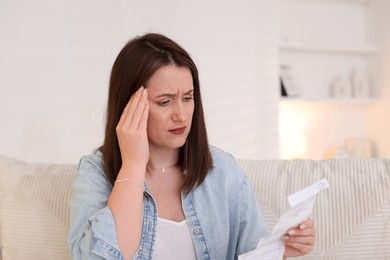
[172, 95]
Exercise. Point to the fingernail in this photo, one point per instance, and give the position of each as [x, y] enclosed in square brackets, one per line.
[292, 232]
[144, 92]
[284, 238]
[302, 226]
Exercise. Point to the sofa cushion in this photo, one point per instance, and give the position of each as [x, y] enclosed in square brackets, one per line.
[352, 216]
[34, 216]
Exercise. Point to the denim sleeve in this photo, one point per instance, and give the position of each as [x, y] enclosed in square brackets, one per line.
[252, 223]
[92, 233]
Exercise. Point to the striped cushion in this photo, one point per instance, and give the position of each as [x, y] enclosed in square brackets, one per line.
[34, 216]
[352, 216]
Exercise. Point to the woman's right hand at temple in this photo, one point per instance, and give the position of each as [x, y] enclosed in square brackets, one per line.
[132, 130]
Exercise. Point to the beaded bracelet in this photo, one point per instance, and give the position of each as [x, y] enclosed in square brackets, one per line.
[140, 185]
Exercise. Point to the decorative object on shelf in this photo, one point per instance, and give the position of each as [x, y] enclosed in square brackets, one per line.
[359, 148]
[341, 87]
[283, 92]
[289, 82]
[360, 84]
[336, 151]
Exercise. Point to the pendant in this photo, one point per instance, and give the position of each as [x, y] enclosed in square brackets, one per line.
[162, 169]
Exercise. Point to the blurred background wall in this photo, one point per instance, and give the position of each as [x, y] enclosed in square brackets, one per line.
[56, 57]
[334, 50]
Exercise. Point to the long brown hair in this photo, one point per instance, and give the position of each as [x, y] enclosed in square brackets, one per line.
[139, 59]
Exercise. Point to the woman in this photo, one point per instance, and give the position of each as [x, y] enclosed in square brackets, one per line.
[156, 189]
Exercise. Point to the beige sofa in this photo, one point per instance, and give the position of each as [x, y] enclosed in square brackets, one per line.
[352, 216]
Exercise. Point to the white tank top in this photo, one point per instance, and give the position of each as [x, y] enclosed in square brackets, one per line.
[173, 241]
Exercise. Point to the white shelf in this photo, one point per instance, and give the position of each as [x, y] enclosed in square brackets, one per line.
[332, 101]
[342, 1]
[319, 50]
[328, 49]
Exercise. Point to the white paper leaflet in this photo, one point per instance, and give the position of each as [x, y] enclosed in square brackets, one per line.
[312, 190]
[302, 202]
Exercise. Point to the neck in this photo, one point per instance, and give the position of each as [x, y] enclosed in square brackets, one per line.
[162, 158]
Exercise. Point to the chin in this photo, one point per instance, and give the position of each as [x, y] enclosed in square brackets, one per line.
[174, 144]
[179, 145]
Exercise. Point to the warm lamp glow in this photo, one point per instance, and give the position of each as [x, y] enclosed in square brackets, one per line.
[293, 146]
[292, 137]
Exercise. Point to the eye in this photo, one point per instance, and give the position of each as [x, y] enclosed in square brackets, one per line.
[188, 99]
[164, 102]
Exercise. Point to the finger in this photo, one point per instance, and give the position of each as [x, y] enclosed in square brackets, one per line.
[144, 119]
[133, 103]
[308, 240]
[306, 224]
[304, 232]
[305, 228]
[139, 110]
[302, 248]
[125, 112]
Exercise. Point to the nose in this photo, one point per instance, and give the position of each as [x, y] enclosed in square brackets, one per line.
[179, 112]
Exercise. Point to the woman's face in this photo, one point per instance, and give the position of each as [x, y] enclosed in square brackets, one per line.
[171, 107]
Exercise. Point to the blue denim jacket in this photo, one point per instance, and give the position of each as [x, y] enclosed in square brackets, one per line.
[222, 214]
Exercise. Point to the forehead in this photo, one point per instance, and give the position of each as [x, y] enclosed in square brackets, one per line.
[170, 78]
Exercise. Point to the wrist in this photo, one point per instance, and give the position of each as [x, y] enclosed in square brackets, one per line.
[134, 172]
[140, 185]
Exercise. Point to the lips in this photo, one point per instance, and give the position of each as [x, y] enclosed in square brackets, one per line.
[178, 130]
